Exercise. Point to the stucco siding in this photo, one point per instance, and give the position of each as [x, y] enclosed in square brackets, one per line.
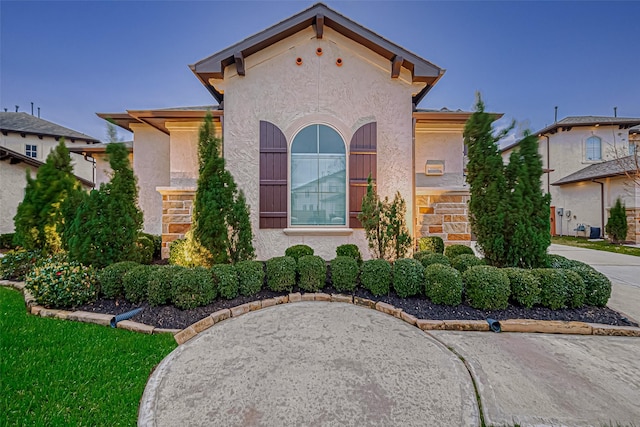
[443, 144]
[14, 181]
[151, 166]
[318, 91]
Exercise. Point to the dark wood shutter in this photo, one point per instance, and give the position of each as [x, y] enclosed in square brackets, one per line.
[362, 162]
[273, 177]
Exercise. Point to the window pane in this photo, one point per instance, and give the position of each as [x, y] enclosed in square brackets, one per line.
[330, 141]
[593, 148]
[306, 141]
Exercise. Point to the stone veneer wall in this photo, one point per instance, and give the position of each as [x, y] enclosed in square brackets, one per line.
[445, 215]
[177, 207]
[633, 221]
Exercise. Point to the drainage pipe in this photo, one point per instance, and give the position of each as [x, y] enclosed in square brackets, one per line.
[124, 316]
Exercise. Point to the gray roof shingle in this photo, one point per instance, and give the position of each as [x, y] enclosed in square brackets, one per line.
[615, 167]
[28, 124]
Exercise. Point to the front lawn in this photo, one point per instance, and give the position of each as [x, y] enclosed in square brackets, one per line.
[56, 372]
[600, 246]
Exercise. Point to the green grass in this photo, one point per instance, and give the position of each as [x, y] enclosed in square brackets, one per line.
[58, 373]
[600, 246]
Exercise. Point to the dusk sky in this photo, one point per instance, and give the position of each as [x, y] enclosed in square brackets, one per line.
[73, 59]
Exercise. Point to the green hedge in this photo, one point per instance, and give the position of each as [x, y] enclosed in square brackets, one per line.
[298, 251]
[160, 284]
[428, 258]
[408, 277]
[576, 290]
[16, 264]
[558, 261]
[456, 250]
[225, 279]
[136, 283]
[598, 286]
[281, 273]
[350, 250]
[193, 287]
[443, 284]
[62, 285]
[110, 278]
[465, 261]
[312, 273]
[553, 289]
[250, 277]
[486, 287]
[375, 275]
[433, 244]
[344, 273]
[525, 287]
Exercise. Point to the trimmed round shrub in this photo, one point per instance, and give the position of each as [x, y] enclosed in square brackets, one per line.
[576, 290]
[110, 278]
[525, 287]
[281, 273]
[375, 275]
[558, 261]
[465, 261]
[553, 289]
[144, 249]
[225, 279]
[443, 284]
[62, 285]
[433, 244]
[428, 258]
[350, 250]
[193, 287]
[598, 286]
[17, 264]
[487, 287]
[136, 283]
[408, 277]
[344, 273]
[298, 251]
[250, 277]
[160, 284]
[457, 250]
[312, 273]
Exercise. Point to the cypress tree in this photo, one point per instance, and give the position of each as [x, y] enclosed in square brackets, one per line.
[108, 221]
[374, 222]
[220, 214]
[397, 232]
[617, 225]
[40, 218]
[486, 178]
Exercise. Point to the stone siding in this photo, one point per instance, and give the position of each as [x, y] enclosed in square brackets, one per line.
[444, 215]
[177, 208]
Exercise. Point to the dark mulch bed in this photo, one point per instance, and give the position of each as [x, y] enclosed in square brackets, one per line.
[171, 317]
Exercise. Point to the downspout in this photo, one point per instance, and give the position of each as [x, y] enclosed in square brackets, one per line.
[548, 166]
[601, 206]
[414, 221]
[93, 167]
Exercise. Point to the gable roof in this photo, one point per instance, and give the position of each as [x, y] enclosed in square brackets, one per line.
[576, 121]
[24, 124]
[611, 168]
[14, 158]
[319, 16]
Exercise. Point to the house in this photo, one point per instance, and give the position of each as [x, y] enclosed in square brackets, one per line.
[589, 162]
[98, 155]
[307, 110]
[25, 143]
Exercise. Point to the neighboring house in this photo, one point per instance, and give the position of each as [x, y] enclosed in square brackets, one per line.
[308, 109]
[25, 143]
[589, 162]
[98, 154]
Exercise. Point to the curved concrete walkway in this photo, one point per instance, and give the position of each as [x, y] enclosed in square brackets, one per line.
[311, 364]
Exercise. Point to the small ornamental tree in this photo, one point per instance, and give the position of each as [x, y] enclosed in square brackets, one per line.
[487, 185]
[108, 221]
[397, 232]
[617, 224]
[40, 218]
[220, 213]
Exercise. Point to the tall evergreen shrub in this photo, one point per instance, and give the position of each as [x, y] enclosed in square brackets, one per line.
[220, 213]
[40, 218]
[108, 221]
[617, 224]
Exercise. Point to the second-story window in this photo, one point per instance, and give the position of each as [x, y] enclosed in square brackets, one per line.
[594, 148]
[31, 151]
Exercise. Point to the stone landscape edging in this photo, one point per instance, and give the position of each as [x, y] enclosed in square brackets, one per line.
[184, 335]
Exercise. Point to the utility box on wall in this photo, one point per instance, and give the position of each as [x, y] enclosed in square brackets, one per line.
[434, 168]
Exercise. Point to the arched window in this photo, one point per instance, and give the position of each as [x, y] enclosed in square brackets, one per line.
[318, 177]
[594, 148]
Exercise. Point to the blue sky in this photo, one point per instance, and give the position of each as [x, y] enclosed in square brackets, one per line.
[73, 59]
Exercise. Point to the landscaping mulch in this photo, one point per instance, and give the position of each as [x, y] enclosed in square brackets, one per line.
[170, 317]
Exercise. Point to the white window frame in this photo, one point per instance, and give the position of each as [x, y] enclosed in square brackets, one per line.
[31, 150]
[590, 152]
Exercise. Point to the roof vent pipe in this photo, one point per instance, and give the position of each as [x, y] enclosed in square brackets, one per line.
[555, 115]
[38, 112]
[615, 111]
[32, 108]
[17, 107]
